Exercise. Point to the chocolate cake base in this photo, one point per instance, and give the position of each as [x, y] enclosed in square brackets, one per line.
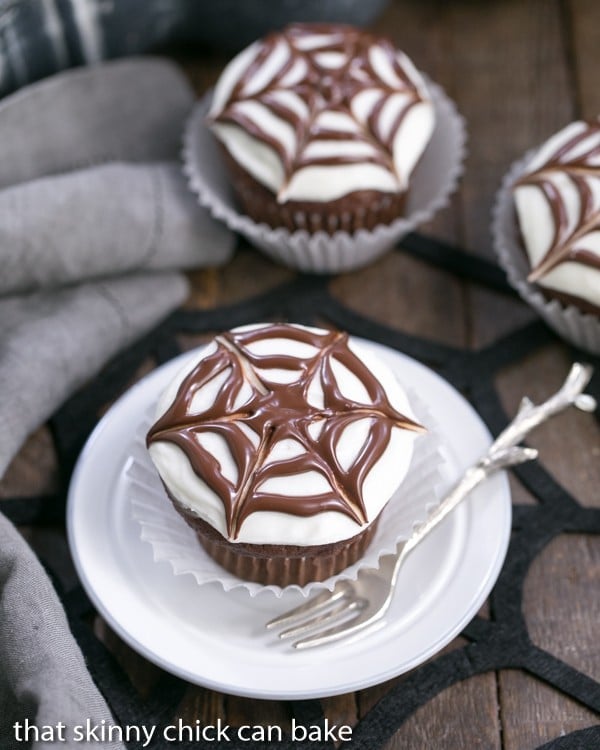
[274, 564]
[363, 209]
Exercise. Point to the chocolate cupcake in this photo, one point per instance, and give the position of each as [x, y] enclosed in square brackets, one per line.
[340, 150]
[547, 231]
[280, 446]
[322, 126]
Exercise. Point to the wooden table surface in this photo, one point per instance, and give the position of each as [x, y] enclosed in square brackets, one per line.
[518, 71]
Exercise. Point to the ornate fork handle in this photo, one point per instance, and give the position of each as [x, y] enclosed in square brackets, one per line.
[530, 416]
[474, 476]
[504, 451]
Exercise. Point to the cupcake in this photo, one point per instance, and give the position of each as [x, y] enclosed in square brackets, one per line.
[280, 445]
[321, 128]
[336, 145]
[557, 202]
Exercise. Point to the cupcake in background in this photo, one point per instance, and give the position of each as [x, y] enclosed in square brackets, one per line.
[322, 127]
[324, 145]
[547, 231]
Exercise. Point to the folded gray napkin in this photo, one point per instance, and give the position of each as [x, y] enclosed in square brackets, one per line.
[51, 342]
[131, 109]
[92, 179]
[113, 218]
[43, 677]
[93, 207]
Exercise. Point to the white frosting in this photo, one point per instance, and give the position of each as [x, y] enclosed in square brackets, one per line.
[266, 527]
[334, 182]
[322, 182]
[536, 221]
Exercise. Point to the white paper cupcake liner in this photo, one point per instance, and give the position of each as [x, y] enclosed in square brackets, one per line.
[576, 327]
[173, 541]
[432, 183]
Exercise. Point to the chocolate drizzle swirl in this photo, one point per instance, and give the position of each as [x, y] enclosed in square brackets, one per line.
[304, 85]
[579, 159]
[280, 411]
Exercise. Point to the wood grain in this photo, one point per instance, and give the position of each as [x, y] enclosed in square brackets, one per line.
[391, 291]
[518, 70]
[576, 465]
[561, 603]
[582, 18]
[462, 716]
[34, 469]
[533, 713]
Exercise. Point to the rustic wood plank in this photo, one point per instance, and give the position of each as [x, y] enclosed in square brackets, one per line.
[341, 710]
[450, 43]
[533, 713]
[506, 66]
[248, 274]
[392, 292]
[202, 704]
[512, 99]
[576, 466]
[561, 602]
[506, 108]
[143, 674]
[246, 711]
[583, 19]
[529, 45]
[463, 716]
[34, 470]
[520, 95]
[368, 697]
[539, 100]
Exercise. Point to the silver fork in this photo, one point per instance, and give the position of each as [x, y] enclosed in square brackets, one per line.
[352, 606]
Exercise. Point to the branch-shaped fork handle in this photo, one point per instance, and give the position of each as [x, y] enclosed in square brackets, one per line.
[530, 416]
[504, 451]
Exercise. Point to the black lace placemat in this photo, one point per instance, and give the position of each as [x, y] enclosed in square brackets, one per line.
[501, 642]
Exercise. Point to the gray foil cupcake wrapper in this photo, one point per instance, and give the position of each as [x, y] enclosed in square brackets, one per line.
[576, 327]
[433, 181]
[173, 541]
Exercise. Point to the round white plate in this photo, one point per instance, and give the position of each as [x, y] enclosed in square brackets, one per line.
[216, 638]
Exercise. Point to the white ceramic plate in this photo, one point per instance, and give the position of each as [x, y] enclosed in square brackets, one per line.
[216, 638]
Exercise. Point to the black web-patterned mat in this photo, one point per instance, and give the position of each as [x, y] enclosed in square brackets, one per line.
[498, 643]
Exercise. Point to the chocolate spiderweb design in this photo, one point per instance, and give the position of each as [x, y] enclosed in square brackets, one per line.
[577, 159]
[502, 642]
[274, 412]
[306, 75]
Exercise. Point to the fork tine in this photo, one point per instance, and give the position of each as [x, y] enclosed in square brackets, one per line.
[316, 603]
[334, 633]
[345, 611]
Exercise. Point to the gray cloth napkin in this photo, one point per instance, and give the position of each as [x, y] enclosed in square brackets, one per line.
[43, 677]
[89, 162]
[51, 342]
[93, 206]
[132, 109]
[109, 219]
